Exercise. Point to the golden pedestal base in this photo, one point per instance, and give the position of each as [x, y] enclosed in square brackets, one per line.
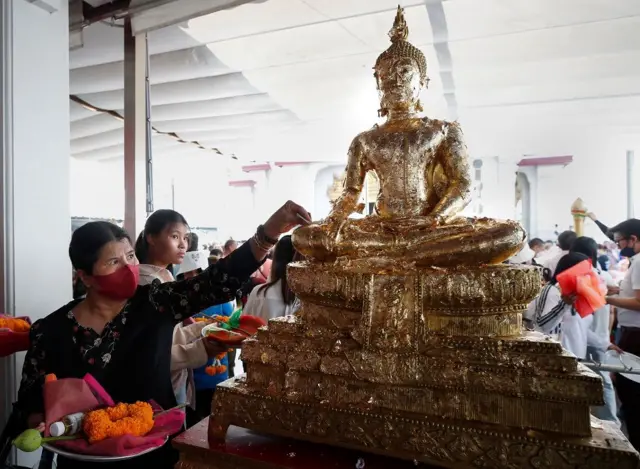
[424, 364]
[436, 441]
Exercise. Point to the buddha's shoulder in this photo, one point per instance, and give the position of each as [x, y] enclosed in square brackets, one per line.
[364, 137]
[437, 124]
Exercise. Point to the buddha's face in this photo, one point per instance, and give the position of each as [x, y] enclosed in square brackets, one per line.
[398, 82]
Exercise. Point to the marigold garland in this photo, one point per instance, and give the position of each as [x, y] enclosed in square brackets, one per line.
[14, 324]
[122, 419]
[215, 370]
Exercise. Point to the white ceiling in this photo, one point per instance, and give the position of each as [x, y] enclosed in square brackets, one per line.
[292, 79]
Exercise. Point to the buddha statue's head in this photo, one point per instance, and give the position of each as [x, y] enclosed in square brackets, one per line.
[400, 71]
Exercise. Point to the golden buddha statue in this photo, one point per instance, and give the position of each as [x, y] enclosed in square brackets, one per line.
[410, 344]
[422, 165]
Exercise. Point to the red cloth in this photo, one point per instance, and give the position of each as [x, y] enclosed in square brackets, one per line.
[582, 281]
[12, 342]
[165, 425]
[70, 395]
[104, 399]
[66, 396]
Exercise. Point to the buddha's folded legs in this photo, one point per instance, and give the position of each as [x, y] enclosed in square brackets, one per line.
[463, 241]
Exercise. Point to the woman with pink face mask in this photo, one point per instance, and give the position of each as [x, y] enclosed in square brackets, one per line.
[121, 333]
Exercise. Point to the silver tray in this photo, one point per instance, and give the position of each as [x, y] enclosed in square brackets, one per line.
[95, 458]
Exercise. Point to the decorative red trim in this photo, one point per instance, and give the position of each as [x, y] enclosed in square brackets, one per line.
[243, 183]
[256, 167]
[547, 161]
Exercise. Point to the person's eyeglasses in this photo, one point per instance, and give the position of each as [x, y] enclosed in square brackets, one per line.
[621, 240]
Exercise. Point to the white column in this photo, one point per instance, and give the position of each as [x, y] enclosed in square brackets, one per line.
[498, 182]
[35, 171]
[532, 176]
[135, 131]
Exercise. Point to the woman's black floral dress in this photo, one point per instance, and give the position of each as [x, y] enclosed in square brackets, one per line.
[131, 357]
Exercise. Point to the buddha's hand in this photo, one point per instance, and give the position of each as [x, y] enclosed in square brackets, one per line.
[332, 227]
[285, 219]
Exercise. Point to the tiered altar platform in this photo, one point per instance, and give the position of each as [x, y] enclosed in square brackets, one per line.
[244, 449]
[428, 365]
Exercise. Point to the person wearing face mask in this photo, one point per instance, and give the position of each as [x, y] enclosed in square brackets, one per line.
[121, 333]
[625, 251]
[627, 303]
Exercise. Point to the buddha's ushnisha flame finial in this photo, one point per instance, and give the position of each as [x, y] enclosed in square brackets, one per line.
[401, 48]
[399, 31]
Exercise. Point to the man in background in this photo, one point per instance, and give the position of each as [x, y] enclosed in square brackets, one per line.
[193, 242]
[627, 303]
[230, 246]
[565, 240]
[537, 246]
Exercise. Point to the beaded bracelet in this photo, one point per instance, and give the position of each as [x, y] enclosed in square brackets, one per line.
[261, 244]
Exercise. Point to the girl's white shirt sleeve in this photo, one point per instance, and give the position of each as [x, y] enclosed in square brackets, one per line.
[547, 310]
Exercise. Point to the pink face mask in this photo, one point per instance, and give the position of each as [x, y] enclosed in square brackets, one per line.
[121, 284]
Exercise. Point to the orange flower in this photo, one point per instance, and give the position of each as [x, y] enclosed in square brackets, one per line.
[216, 369]
[16, 325]
[122, 419]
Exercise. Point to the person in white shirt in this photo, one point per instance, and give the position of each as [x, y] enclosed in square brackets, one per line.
[628, 304]
[552, 313]
[565, 240]
[601, 326]
[275, 298]
[537, 246]
[524, 256]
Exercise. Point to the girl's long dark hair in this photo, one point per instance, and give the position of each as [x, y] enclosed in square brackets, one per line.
[157, 222]
[588, 247]
[284, 253]
[568, 261]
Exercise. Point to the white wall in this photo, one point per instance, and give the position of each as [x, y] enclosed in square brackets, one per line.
[97, 188]
[40, 164]
[324, 180]
[597, 176]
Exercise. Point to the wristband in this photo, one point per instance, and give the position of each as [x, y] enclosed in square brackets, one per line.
[263, 238]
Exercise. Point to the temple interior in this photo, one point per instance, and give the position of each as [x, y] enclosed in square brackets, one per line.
[452, 286]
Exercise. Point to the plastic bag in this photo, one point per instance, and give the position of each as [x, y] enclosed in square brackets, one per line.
[585, 283]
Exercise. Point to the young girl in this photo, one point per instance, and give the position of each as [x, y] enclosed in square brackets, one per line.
[275, 298]
[164, 243]
[207, 377]
[601, 326]
[553, 313]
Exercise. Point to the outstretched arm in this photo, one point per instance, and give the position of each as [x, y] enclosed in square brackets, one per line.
[356, 171]
[455, 162]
